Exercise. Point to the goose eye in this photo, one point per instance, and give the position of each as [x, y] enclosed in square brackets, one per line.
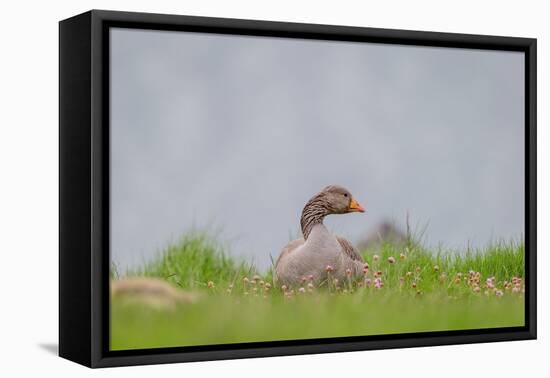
[345, 194]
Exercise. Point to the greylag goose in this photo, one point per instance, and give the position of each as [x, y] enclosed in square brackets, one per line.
[319, 251]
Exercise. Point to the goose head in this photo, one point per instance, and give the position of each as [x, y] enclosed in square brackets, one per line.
[333, 199]
[338, 200]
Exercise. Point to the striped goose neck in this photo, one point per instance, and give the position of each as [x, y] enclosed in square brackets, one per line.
[315, 210]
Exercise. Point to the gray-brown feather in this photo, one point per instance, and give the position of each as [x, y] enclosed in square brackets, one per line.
[349, 249]
[291, 246]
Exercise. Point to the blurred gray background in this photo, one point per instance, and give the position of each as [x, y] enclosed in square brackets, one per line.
[234, 134]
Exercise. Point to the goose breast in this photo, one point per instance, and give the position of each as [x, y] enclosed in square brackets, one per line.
[310, 258]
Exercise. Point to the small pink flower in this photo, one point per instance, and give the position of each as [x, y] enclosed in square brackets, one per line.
[302, 290]
[391, 259]
[366, 266]
[210, 284]
[365, 271]
[375, 257]
[499, 293]
[491, 283]
[378, 283]
[367, 281]
[310, 277]
[348, 272]
[329, 268]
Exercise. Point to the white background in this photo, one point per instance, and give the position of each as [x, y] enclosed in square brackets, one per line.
[29, 187]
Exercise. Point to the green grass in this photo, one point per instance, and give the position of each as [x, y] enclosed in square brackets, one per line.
[196, 259]
[422, 291]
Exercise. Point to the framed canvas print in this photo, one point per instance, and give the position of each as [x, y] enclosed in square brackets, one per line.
[235, 188]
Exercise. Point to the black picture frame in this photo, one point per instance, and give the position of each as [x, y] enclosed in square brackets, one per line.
[84, 187]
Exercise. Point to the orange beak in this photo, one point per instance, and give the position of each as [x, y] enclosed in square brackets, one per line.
[355, 207]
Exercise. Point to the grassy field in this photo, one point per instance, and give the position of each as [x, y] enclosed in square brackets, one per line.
[405, 289]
